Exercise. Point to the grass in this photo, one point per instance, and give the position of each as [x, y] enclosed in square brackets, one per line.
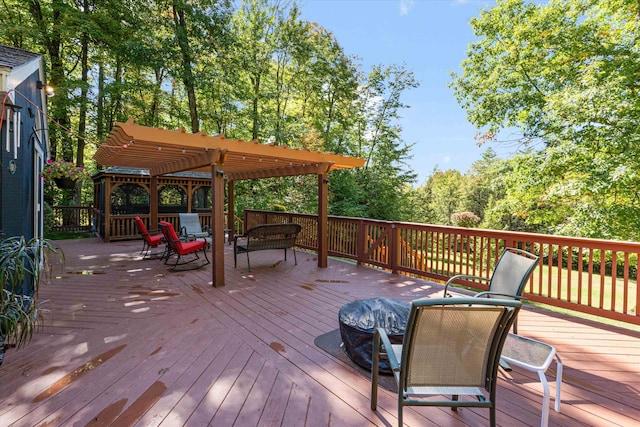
[66, 235]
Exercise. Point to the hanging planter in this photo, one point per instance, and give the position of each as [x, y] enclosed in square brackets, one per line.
[63, 174]
[65, 183]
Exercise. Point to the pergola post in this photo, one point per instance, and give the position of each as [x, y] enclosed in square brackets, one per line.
[231, 209]
[153, 203]
[217, 226]
[107, 211]
[323, 219]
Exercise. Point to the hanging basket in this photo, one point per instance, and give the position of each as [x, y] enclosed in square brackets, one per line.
[65, 183]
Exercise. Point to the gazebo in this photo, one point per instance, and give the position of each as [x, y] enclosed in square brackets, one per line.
[163, 151]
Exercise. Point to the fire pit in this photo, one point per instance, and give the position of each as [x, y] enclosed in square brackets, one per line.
[359, 319]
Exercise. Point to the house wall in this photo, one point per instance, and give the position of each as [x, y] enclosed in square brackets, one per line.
[19, 207]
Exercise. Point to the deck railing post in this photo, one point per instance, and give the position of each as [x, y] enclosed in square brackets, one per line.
[361, 242]
[394, 252]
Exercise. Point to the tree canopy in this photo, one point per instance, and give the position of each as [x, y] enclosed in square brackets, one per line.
[564, 76]
[250, 70]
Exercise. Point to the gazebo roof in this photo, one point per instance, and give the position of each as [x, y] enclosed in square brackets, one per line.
[165, 151]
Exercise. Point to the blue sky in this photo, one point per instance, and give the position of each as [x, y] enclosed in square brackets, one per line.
[431, 38]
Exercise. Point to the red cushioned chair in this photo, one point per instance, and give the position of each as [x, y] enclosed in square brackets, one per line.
[180, 248]
[150, 241]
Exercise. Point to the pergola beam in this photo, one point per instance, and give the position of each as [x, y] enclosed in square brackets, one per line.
[313, 169]
[200, 160]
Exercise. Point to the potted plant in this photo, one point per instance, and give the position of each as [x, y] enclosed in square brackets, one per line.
[64, 174]
[22, 264]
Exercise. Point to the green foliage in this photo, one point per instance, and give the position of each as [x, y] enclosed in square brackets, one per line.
[49, 220]
[564, 75]
[560, 75]
[21, 267]
[446, 190]
[251, 70]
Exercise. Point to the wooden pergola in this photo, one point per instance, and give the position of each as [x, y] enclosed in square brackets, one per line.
[163, 151]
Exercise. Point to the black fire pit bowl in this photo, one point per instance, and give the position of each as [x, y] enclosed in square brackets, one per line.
[359, 319]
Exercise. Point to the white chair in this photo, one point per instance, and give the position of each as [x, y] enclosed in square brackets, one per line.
[190, 227]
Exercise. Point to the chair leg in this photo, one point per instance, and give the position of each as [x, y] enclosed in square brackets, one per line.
[295, 259]
[180, 260]
[204, 251]
[375, 361]
[492, 414]
[558, 382]
[455, 399]
[167, 256]
[248, 263]
[544, 418]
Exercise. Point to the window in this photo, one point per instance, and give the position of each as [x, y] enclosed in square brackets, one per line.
[172, 199]
[129, 199]
[202, 198]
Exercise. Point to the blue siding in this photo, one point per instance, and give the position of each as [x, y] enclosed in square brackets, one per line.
[18, 210]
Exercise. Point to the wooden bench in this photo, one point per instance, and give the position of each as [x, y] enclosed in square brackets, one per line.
[264, 237]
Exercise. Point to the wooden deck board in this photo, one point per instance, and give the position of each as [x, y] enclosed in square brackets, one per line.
[128, 342]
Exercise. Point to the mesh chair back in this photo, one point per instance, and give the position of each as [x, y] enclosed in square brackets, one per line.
[455, 344]
[512, 272]
[190, 225]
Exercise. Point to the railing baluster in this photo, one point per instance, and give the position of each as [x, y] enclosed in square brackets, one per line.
[602, 277]
[614, 275]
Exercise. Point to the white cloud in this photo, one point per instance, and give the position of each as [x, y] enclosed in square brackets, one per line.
[446, 159]
[405, 6]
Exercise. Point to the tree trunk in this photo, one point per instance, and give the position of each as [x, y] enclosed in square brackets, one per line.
[82, 114]
[52, 42]
[100, 133]
[187, 72]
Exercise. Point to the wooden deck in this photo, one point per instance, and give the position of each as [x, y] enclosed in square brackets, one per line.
[127, 342]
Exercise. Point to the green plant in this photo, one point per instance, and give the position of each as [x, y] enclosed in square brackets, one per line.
[22, 264]
[63, 169]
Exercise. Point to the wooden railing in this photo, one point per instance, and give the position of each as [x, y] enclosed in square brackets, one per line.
[598, 277]
[76, 219]
[123, 226]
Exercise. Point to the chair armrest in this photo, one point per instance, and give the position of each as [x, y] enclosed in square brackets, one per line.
[462, 276]
[489, 293]
[173, 242]
[235, 240]
[384, 342]
[183, 231]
